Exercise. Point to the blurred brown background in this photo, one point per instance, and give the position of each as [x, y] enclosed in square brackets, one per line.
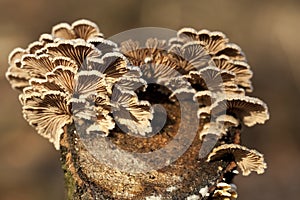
[267, 31]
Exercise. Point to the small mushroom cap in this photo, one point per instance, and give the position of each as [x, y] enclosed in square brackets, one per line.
[204, 98]
[212, 128]
[35, 47]
[204, 112]
[155, 66]
[89, 83]
[183, 94]
[48, 113]
[63, 77]
[93, 113]
[190, 56]
[155, 45]
[17, 77]
[248, 160]
[225, 191]
[215, 43]
[46, 38]
[240, 68]
[227, 120]
[113, 65]
[132, 80]
[139, 54]
[83, 29]
[77, 50]
[249, 109]
[211, 78]
[104, 45]
[159, 70]
[37, 66]
[130, 113]
[187, 34]
[131, 49]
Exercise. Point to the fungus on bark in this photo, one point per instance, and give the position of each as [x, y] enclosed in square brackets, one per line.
[225, 191]
[62, 75]
[74, 80]
[247, 160]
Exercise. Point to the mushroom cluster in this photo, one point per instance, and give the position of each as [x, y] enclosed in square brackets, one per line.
[204, 65]
[75, 75]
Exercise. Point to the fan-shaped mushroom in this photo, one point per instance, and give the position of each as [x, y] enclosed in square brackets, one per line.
[225, 191]
[83, 29]
[249, 109]
[246, 159]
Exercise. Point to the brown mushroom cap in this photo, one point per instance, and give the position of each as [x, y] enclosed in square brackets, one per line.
[130, 113]
[225, 191]
[89, 83]
[77, 50]
[211, 78]
[249, 109]
[48, 113]
[212, 128]
[215, 43]
[139, 54]
[240, 68]
[17, 77]
[37, 66]
[189, 56]
[204, 98]
[246, 159]
[227, 121]
[83, 29]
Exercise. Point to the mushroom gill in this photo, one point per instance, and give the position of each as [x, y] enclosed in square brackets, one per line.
[66, 77]
[74, 77]
[247, 160]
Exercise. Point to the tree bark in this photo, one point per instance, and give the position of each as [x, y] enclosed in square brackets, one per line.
[87, 178]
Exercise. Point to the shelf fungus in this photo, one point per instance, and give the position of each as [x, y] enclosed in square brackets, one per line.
[174, 106]
[247, 160]
[225, 191]
[67, 78]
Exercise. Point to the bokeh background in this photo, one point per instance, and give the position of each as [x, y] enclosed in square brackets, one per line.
[267, 31]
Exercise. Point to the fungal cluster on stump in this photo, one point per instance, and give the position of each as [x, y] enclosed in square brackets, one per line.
[74, 80]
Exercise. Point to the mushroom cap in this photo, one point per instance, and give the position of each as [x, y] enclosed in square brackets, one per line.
[131, 113]
[225, 191]
[216, 43]
[211, 78]
[227, 120]
[190, 56]
[37, 66]
[248, 160]
[249, 109]
[139, 54]
[17, 77]
[241, 69]
[48, 113]
[212, 128]
[83, 29]
[204, 98]
[77, 50]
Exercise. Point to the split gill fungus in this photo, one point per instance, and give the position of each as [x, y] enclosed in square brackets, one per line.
[116, 111]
